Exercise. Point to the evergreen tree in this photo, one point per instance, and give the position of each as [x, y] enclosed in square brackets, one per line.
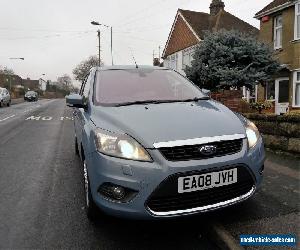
[227, 59]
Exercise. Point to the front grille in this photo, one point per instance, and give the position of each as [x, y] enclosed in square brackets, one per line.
[166, 197]
[192, 152]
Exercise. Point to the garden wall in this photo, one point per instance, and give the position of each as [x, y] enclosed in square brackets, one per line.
[279, 132]
[233, 100]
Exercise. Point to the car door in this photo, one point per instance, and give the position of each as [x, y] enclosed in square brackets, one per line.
[83, 114]
[76, 115]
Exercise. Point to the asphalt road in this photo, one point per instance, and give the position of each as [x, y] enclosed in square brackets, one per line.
[42, 195]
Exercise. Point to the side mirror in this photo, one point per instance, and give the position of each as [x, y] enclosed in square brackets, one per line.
[75, 101]
[206, 92]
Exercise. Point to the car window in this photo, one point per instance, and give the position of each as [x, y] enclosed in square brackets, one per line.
[87, 86]
[121, 86]
[82, 85]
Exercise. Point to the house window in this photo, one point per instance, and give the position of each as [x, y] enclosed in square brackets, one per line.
[278, 32]
[187, 57]
[270, 89]
[297, 21]
[297, 89]
[173, 61]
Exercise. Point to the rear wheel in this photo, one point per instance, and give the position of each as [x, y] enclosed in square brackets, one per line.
[91, 208]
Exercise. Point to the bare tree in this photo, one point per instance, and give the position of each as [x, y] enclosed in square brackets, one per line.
[6, 71]
[64, 81]
[83, 68]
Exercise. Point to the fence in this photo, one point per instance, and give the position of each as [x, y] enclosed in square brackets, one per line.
[279, 132]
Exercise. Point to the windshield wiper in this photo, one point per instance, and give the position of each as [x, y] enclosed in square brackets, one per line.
[196, 99]
[161, 101]
[145, 102]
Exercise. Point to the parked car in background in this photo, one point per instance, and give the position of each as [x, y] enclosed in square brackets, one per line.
[5, 98]
[154, 146]
[31, 96]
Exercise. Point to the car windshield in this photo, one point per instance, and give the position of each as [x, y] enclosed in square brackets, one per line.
[137, 85]
[30, 93]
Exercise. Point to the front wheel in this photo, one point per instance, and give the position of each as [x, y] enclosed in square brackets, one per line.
[91, 208]
[8, 104]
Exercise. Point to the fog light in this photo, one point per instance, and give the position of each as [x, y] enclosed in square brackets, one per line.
[118, 193]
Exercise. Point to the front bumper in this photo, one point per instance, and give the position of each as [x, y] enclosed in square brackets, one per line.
[145, 178]
[30, 98]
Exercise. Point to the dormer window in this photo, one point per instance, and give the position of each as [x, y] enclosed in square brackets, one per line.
[278, 32]
[297, 21]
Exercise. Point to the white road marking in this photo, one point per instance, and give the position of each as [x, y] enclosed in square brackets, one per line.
[48, 118]
[66, 118]
[33, 118]
[7, 118]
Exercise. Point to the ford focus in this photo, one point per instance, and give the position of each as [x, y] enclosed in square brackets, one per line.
[153, 145]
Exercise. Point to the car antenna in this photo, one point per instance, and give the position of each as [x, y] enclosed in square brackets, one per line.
[134, 59]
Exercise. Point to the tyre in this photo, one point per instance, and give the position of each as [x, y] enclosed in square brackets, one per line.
[76, 147]
[8, 104]
[90, 206]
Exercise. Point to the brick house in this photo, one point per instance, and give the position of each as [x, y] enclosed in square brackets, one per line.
[31, 84]
[8, 81]
[188, 31]
[280, 27]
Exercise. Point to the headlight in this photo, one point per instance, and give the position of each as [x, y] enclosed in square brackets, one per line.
[252, 134]
[120, 145]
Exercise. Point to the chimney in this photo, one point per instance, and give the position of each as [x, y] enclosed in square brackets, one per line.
[216, 6]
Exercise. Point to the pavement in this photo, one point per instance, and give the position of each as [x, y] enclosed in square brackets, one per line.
[17, 101]
[273, 210]
[42, 195]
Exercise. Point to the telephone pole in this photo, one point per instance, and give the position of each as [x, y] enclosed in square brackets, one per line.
[153, 56]
[159, 54]
[99, 39]
[111, 42]
[111, 47]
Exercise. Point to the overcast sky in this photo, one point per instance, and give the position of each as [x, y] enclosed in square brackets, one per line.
[55, 35]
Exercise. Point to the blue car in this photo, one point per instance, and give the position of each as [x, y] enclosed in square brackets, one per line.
[153, 145]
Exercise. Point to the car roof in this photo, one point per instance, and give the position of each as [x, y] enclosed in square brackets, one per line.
[128, 67]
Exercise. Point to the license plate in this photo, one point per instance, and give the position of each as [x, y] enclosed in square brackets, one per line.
[205, 181]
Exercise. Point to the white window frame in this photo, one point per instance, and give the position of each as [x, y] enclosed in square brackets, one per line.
[295, 82]
[297, 14]
[277, 28]
[173, 61]
[189, 52]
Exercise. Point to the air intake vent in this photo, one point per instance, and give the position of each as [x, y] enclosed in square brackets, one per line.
[193, 152]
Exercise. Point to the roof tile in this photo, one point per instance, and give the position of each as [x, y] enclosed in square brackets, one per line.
[201, 22]
[272, 5]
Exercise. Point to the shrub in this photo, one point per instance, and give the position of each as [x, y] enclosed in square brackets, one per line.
[260, 106]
